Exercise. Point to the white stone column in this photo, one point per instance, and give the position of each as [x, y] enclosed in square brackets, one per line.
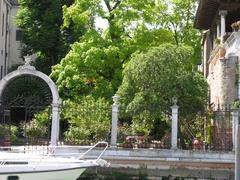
[174, 133]
[223, 14]
[114, 122]
[235, 122]
[218, 30]
[55, 123]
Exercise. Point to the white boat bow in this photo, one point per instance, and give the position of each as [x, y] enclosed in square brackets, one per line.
[22, 166]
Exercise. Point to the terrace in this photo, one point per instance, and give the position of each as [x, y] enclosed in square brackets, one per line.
[214, 18]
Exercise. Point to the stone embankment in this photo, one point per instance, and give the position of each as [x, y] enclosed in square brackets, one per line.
[158, 162]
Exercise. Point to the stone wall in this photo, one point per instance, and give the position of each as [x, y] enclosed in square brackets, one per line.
[222, 81]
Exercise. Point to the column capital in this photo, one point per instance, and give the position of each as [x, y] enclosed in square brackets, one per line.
[223, 12]
[115, 100]
[57, 104]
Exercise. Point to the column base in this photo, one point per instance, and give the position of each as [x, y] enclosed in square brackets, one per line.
[113, 146]
[174, 148]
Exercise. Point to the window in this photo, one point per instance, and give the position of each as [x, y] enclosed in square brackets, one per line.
[3, 19]
[18, 35]
[12, 178]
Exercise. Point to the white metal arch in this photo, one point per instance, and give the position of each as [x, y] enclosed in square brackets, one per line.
[56, 102]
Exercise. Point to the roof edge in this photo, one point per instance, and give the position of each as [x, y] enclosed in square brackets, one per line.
[206, 11]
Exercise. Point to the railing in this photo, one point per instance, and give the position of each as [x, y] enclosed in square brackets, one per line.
[227, 46]
[44, 151]
[231, 39]
[100, 155]
[51, 150]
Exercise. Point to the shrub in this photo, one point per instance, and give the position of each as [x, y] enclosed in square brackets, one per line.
[88, 119]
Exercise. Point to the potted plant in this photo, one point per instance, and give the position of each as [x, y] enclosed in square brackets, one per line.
[143, 144]
[157, 144]
[4, 135]
[217, 41]
[238, 23]
[235, 26]
[236, 104]
[127, 144]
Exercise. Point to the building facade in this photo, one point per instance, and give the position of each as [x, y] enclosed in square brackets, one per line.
[10, 37]
[221, 49]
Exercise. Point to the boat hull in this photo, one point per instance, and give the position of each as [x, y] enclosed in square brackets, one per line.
[69, 174]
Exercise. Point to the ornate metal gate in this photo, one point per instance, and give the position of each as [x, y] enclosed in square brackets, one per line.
[222, 132]
[25, 111]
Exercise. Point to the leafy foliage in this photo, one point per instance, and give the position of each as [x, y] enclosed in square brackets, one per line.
[90, 67]
[151, 79]
[96, 61]
[179, 17]
[8, 130]
[87, 119]
[94, 64]
[41, 23]
[38, 127]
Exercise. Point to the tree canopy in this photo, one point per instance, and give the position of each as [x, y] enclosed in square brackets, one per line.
[153, 78]
[129, 55]
[94, 64]
[40, 22]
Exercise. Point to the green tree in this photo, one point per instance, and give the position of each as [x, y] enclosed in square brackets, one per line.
[94, 64]
[179, 17]
[40, 22]
[88, 119]
[153, 78]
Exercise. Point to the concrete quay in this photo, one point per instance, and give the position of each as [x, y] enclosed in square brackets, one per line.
[162, 162]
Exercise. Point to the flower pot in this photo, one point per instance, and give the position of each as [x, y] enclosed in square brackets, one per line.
[7, 141]
[127, 145]
[143, 145]
[157, 145]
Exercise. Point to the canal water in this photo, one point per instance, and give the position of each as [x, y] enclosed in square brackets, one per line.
[98, 174]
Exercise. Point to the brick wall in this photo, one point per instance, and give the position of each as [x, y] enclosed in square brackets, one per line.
[222, 81]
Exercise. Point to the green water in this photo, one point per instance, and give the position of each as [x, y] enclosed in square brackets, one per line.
[105, 175]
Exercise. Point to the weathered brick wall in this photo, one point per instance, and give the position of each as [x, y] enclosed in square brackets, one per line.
[222, 81]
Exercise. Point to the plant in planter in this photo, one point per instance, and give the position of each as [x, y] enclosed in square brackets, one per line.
[123, 131]
[166, 140]
[4, 135]
[129, 142]
[4, 130]
[235, 26]
[157, 144]
[217, 41]
[144, 144]
[238, 23]
[236, 104]
[34, 131]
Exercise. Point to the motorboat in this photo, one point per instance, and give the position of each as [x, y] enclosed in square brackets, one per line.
[25, 166]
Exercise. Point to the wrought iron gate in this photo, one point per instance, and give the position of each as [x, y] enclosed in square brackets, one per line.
[222, 137]
[25, 113]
